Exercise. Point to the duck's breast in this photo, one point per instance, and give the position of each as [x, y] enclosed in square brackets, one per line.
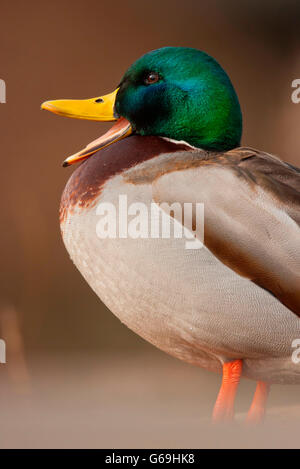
[184, 301]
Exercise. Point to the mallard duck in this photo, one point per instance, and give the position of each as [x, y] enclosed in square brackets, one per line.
[233, 305]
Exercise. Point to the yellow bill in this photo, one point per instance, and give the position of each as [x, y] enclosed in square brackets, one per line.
[96, 109]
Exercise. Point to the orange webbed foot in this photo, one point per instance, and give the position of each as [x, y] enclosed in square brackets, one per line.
[257, 410]
[224, 406]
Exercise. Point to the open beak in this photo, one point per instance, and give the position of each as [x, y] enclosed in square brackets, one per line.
[96, 109]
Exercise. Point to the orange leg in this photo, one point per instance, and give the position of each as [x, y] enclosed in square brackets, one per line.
[224, 406]
[258, 407]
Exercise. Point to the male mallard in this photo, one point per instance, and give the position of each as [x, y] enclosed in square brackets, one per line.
[235, 303]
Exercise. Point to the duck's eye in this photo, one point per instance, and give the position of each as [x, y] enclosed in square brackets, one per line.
[151, 78]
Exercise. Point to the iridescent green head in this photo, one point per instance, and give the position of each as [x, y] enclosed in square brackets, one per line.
[183, 94]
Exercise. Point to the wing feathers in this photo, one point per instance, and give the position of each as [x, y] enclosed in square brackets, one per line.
[252, 214]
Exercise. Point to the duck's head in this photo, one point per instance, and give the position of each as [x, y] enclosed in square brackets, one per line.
[175, 92]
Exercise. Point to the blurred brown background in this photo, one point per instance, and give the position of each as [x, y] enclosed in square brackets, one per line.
[78, 49]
